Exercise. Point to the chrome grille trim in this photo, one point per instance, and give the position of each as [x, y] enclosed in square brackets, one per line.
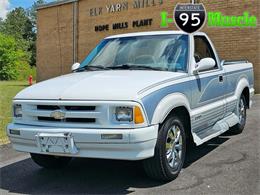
[83, 115]
[104, 114]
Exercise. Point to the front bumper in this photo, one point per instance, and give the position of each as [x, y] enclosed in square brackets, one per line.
[135, 144]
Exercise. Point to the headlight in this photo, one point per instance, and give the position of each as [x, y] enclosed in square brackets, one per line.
[18, 110]
[129, 114]
[124, 114]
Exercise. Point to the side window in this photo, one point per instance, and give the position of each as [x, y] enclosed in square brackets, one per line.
[203, 49]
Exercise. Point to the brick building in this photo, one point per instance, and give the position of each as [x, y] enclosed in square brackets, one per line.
[69, 29]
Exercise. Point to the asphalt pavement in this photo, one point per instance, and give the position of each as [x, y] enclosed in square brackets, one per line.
[228, 164]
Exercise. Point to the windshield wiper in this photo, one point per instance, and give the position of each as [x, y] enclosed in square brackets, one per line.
[118, 67]
[133, 67]
[92, 68]
[142, 67]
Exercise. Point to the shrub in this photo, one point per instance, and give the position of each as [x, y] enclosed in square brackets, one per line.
[26, 72]
[14, 62]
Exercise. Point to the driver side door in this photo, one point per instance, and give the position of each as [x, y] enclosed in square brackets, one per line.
[208, 92]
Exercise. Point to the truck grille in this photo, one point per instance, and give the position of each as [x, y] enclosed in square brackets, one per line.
[64, 109]
[72, 120]
[47, 107]
[75, 108]
[83, 108]
[73, 114]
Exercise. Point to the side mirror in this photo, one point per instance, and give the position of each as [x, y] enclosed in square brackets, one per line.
[75, 66]
[204, 64]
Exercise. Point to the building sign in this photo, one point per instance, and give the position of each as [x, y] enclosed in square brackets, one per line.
[124, 25]
[120, 7]
[124, 6]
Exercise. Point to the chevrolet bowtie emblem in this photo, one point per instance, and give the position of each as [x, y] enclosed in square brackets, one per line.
[58, 114]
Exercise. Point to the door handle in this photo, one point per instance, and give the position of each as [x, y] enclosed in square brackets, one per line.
[220, 78]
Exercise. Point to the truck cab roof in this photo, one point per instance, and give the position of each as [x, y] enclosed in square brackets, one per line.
[172, 32]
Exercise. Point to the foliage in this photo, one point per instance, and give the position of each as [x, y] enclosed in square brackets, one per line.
[26, 72]
[17, 24]
[18, 43]
[13, 60]
[32, 14]
[8, 89]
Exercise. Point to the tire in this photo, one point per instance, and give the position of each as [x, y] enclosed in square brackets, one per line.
[241, 113]
[160, 166]
[50, 162]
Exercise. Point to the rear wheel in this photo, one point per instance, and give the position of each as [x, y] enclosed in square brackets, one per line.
[241, 113]
[50, 162]
[170, 151]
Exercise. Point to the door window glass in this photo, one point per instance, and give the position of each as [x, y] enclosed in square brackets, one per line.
[203, 49]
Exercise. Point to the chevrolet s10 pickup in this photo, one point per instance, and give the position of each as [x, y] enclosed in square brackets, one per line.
[140, 96]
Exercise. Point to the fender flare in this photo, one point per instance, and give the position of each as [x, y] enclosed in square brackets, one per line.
[167, 104]
[242, 84]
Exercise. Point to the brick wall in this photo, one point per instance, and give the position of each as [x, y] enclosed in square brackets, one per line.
[54, 41]
[55, 32]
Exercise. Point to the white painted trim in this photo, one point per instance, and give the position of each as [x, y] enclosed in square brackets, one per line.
[136, 144]
[242, 84]
[166, 106]
[223, 126]
[105, 114]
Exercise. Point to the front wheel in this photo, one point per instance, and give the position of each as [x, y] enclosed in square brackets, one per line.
[50, 162]
[170, 151]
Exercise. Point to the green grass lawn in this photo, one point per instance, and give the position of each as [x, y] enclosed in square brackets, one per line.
[8, 89]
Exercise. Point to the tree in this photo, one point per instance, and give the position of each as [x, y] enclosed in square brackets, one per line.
[17, 24]
[1, 23]
[32, 13]
[13, 60]
[18, 33]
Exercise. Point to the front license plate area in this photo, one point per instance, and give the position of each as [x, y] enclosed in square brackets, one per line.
[56, 143]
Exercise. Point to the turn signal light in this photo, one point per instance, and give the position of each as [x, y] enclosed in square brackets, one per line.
[138, 116]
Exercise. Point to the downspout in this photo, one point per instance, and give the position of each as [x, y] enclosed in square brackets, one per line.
[75, 31]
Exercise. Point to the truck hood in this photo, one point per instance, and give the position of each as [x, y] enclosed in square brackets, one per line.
[97, 85]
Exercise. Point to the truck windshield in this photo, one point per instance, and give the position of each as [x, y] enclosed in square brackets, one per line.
[155, 52]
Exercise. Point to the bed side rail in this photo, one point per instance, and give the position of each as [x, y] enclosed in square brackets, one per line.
[232, 62]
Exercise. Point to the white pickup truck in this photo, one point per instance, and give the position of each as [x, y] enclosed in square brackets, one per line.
[139, 96]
